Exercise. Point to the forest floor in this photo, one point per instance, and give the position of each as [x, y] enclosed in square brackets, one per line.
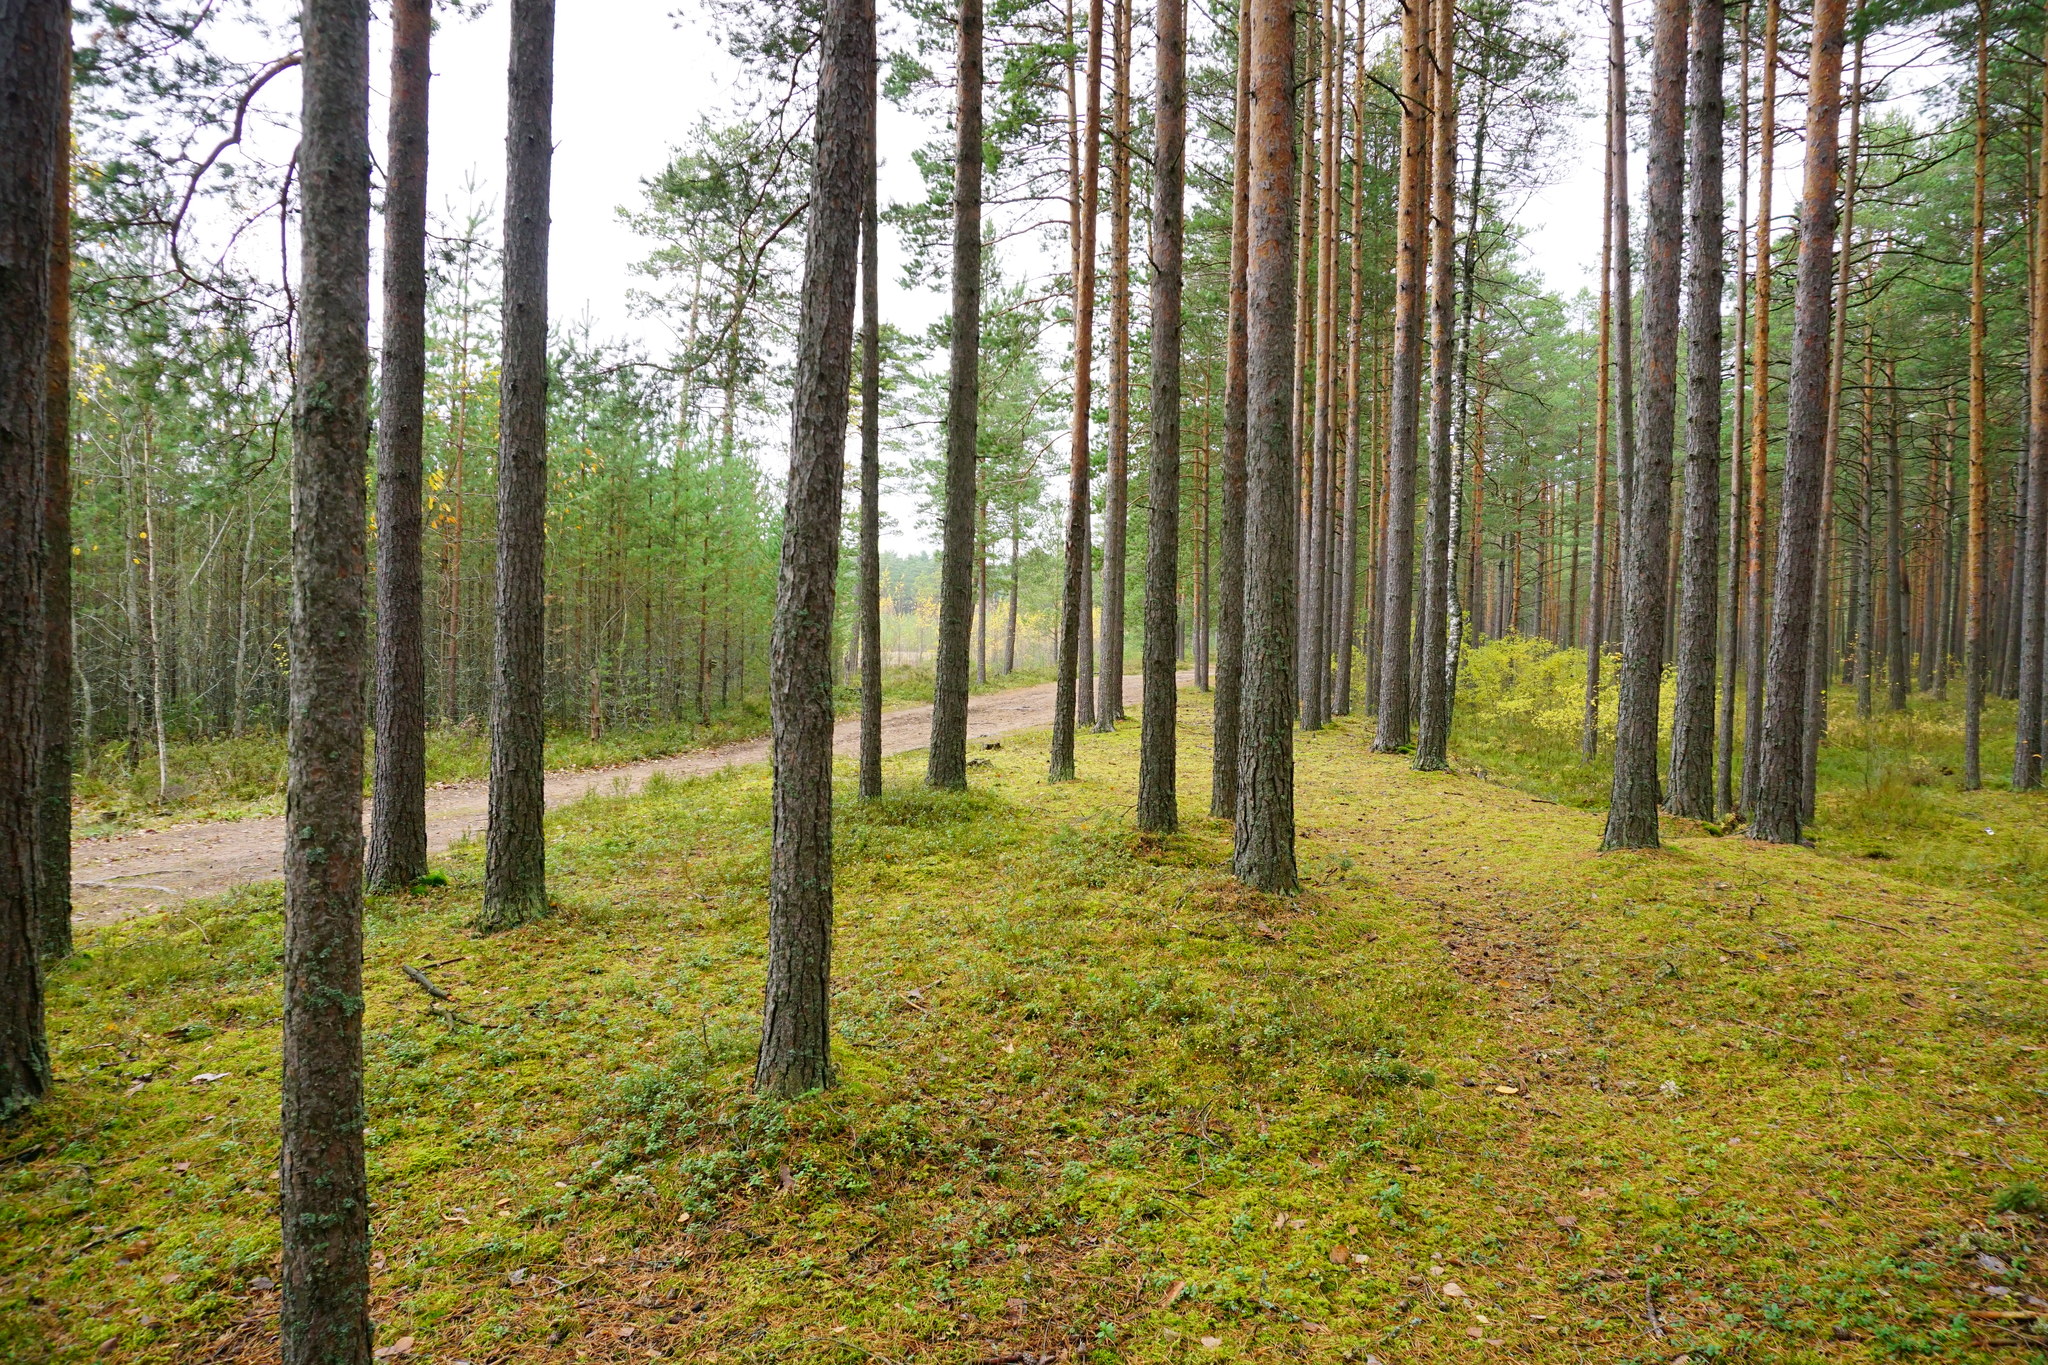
[1480, 1093]
[128, 873]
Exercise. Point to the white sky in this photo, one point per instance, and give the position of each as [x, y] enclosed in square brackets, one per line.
[629, 85]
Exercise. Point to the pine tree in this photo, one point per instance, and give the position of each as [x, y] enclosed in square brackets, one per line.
[946, 765]
[515, 850]
[1074, 612]
[32, 81]
[1158, 807]
[870, 604]
[1227, 710]
[323, 1191]
[1632, 811]
[796, 1036]
[1434, 708]
[1692, 727]
[53, 798]
[1264, 854]
[398, 806]
[1779, 790]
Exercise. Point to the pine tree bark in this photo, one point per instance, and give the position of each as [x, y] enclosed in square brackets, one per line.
[1158, 807]
[871, 474]
[1074, 613]
[1732, 637]
[324, 1190]
[1226, 710]
[1632, 811]
[1760, 411]
[796, 1035]
[1780, 785]
[946, 762]
[1897, 650]
[53, 796]
[1314, 684]
[1264, 854]
[1345, 634]
[1978, 490]
[1603, 421]
[1433, 732]
[2029, 721]
[1116, 492]
[32, 81]
[1817, 653]
[1397, 554]
[515, 850]
[1692, 728]
[398, 785]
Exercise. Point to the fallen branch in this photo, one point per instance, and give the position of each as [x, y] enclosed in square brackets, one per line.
[419, 978]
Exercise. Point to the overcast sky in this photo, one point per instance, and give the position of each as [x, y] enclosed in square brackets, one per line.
[629, 86]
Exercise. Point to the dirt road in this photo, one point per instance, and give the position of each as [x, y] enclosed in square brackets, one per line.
[127, 874]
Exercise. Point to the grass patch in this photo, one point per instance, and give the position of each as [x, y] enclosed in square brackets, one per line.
[1477, 1094]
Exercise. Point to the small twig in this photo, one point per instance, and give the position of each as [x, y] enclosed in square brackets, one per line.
[419, 978]
[445, 962]
[1927, 1160]
[1871, 922]
[109, 1237]
[1650, 1304]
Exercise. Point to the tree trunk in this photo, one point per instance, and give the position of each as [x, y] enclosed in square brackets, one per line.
[1345, 635]
[1074, 613]
[324, 1190]
[53, 798]
[1264, 855]
[1397, 556]
[1116, 494]
[1896, 664]
[1692, 729]
[1624, 315]
[1632, 812]
[515, 851]
[1603, 419]
[1433, 733]
[33, 34]
[1158, 808]
[946, 764]
[796, 1035]
[2029, 721]
[1817, 654]
[871, 470]
[1760, 409]
[398, 805]
[1226, 711]
[1974, 545]
[1780, 780]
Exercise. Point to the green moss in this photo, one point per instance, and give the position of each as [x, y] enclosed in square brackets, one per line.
[1096, 1099]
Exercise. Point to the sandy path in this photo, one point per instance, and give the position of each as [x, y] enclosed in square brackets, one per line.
[126, 874]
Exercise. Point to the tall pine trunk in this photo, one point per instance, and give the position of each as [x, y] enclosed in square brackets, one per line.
[2029, 722]
[1731, 638]
[1692, 728]
[870, 604]
[796, 1033]
[1158, 808]
[1074, 613]
[323, 1202]
[1230, 525]
[946, 764]
[1116, 493]
[398, 794]
[1780, 783]
[1433, 733]
[1632, 811]
[1397, 554]
[1760, 411]
[1596, 635]
[53, 798]
[34, 43]
[515, 851]
[1264, 854]
[1978, 526]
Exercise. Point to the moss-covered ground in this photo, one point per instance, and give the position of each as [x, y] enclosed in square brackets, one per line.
[1480, 1093]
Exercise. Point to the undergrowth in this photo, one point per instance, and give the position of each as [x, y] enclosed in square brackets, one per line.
[1475, 1094]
